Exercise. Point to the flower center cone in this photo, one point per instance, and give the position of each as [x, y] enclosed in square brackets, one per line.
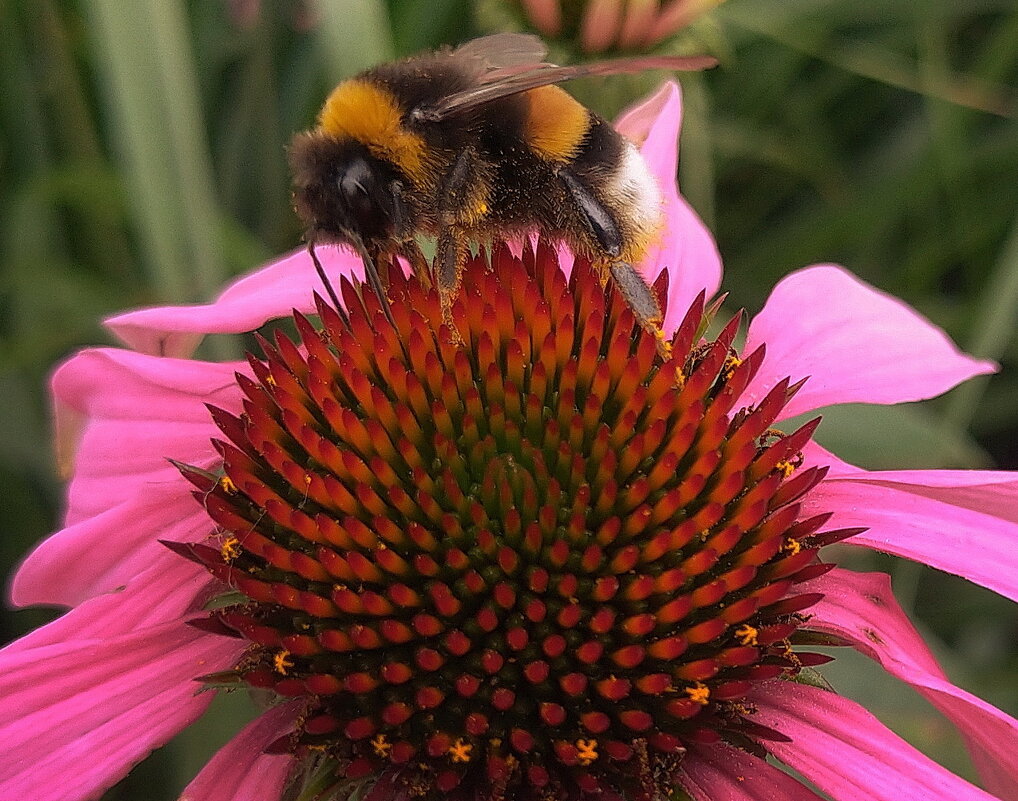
[527, 558]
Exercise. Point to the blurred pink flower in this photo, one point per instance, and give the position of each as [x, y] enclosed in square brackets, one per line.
[619, 24]
[89, 695]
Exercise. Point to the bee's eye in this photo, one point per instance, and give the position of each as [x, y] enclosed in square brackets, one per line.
[364, 199]
[356, 184]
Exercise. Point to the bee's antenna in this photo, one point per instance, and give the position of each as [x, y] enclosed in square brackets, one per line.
[328, 284]
[371, 271]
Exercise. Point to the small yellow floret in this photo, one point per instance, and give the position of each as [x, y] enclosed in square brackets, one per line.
[226, 485]
[381, 745]
[459, 751]
[792, 546]
[230, 549]
[282, 662]
[586, 751]
[699, 693]
[747, 634]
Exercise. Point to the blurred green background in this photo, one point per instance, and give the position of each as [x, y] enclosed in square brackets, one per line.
[142, 161]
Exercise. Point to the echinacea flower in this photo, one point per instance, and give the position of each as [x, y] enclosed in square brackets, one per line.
[601, 25]
[526, 559]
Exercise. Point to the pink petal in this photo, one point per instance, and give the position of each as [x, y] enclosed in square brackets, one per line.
[686, 248]
[723, 773]
[266, 294]
[170, 589]
[240, 770]
[961, 521]
[107, 552]
[132, 413]
[861, 608]
[78, 715]
[848, 753]
[856, 344]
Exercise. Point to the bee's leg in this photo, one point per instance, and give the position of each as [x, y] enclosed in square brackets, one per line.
[455, 204]
[605, 232]
[642, 302]
[449, 261]
[599, 222]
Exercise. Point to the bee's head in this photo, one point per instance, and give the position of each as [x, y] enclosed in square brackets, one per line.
[342, 192]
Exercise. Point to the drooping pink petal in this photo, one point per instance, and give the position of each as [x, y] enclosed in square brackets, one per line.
[861, 608]
[722, 773]
[133, 412]
[686, 248]
[78, 715]
[849, 754]
[106, 551]
[240, 770]
[964, 522]
[856, 344]
[266, 294]
[170, 589]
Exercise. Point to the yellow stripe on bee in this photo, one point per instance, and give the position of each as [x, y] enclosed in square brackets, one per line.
[371, 115]
[556, 123]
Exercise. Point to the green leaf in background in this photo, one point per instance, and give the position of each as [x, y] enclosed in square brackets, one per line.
[860, 433]
[144, 51]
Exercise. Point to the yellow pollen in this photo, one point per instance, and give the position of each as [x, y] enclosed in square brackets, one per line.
[381, 745]
[732, 362]
[586, 751]
[792, 545]
[747, 634]
[459, 751]
[699, 693]
[664, 347]
[270, 380]
[789, 654]
[230, 549]
[785, 467]
[282, 662]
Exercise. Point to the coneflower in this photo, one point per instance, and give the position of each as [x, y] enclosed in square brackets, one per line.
[512, 555]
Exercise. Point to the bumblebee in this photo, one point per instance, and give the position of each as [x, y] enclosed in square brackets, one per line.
[472, 144]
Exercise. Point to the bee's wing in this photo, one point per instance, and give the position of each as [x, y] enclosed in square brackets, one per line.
[512, 77]
[502, 50]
